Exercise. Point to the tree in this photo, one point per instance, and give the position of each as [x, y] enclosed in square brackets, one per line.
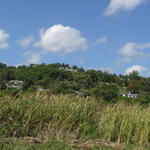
[107, 92]
[134, 75]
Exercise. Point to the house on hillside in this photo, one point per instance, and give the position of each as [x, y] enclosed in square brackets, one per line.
[16, 84]
[40, 89]
[130, 95]
[68, 69]
[78, 93]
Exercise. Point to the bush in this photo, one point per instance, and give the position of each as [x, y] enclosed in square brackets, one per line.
[107, 92]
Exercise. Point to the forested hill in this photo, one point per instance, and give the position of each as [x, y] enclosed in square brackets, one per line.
[61, 78]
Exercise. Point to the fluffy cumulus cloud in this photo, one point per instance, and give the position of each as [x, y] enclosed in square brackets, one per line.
[3, 39]
[132, 51]
[107, 69]
[32, 58]
[118, 5]
[138, 68]
[59, 38]
[122, 61]
[101, 40]
[25, 42]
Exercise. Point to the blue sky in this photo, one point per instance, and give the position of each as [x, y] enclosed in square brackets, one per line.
[111, 35]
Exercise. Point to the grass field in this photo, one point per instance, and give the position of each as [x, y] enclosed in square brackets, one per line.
[43, 121]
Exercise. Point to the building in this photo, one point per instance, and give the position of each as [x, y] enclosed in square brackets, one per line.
[16, 84]
[130, 95]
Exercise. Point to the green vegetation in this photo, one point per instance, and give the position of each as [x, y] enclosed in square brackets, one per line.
[64, 79]
[73, 120]
[49, 145]
[60, 107]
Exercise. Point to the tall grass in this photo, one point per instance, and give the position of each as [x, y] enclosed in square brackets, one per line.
[126, 124]
[62, 116]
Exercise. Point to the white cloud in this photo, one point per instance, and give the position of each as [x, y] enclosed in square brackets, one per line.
[119, 5]
[138, 68]
[81, 62]
[32, 58]
[101, 40]
[59, 38]
[3, 39]
[25, 42]
[122, 61]
[132, 51]
[107, 69]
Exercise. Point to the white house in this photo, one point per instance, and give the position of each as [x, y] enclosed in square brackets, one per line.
[130, 95]
[15, 84]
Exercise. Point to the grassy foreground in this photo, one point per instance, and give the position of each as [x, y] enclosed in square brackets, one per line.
[31, 121]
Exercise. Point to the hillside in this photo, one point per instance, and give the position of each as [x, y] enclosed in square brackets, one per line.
[64, 79]
[59, 107]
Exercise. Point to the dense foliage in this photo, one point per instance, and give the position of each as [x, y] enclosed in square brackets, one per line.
[66, 103]
[61, 78]
[38, 117]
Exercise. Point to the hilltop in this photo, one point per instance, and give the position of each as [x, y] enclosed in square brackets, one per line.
[64, 79]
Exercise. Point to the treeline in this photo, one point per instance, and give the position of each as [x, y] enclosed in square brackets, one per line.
[62, 78]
